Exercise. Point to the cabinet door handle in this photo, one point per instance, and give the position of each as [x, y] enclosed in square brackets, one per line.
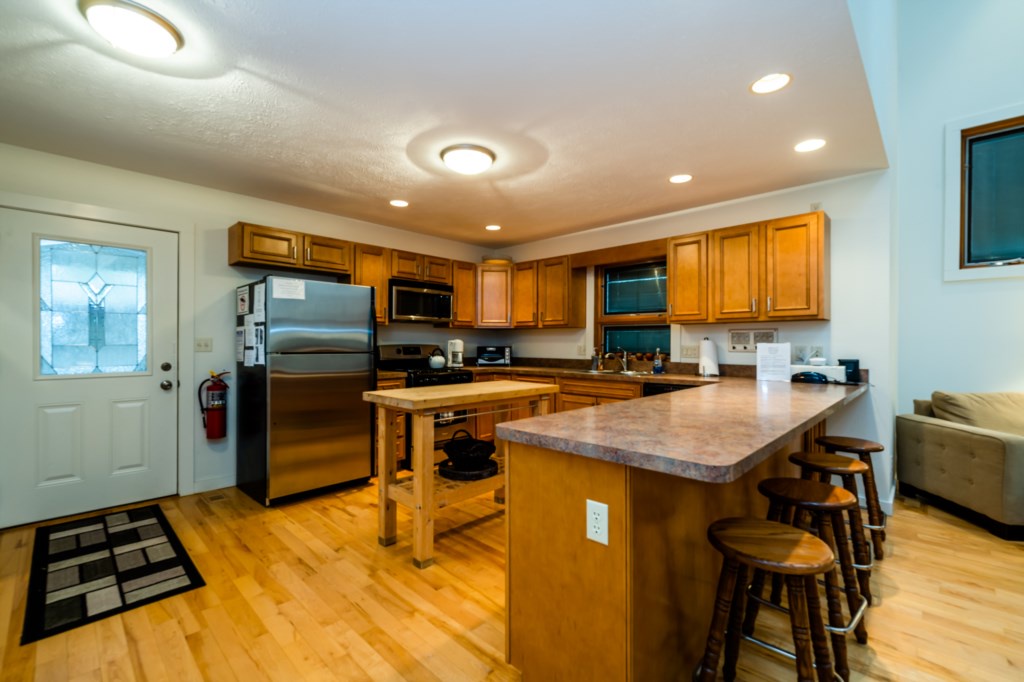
[753, 305]
[769, 304]
[309, 251]
[294, 253]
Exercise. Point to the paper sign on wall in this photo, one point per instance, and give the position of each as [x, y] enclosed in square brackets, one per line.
[242, 301]
[773, 362]
[289, 288]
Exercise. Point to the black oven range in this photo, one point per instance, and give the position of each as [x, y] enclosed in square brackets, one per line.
[414, 360]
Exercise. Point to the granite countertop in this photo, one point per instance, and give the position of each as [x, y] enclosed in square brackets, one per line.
[713, 433]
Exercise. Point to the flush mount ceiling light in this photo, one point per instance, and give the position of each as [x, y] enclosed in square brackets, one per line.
[680, 179]
[467, 159]
[811, 145]
[493, 228]
[399, 203]
[132, 27]
[770, 83]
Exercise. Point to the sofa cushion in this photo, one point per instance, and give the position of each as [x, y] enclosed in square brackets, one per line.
[997, 411]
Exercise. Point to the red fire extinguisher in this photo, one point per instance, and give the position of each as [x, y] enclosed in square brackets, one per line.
[215, 411]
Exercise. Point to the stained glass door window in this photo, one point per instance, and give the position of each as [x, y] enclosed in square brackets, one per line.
[92, 309]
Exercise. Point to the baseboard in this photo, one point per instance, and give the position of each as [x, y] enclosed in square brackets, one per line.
[213, 483]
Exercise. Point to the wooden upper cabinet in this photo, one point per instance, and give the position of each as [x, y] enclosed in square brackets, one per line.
[464, 297]
[324, 253]
[688, 278]
[371, 269]
[524, 294]
[796, 267]
[407, 265]
[250, 244]
[736, 273]
[259, 244]
[561, 293]
[494, 295]
[437, 270]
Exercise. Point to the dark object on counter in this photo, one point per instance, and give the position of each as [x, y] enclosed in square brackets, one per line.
[810, 378]
[658, 389]
[852, 370]
[493, 355]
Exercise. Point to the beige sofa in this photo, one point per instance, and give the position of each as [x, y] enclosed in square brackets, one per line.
[968, 449]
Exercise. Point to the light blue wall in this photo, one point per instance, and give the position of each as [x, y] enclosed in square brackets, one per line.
[957, 58]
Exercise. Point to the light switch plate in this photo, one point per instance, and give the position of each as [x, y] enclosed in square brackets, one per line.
[204, 344]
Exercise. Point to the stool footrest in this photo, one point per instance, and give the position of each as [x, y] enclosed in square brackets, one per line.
[851, 626]
[766, 602]
[783, 652]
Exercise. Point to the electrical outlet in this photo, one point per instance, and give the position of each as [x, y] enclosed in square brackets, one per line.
[597, 522]
[581, 350]
[204, 344]
[689, 351]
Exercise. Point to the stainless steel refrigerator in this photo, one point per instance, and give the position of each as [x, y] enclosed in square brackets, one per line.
[305, 356]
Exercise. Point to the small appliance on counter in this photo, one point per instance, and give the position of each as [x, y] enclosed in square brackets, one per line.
[497, 356]
[455, 352]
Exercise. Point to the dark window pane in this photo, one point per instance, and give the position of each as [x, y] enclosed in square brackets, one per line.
[637, 339]
[995, 202]
[635, 289]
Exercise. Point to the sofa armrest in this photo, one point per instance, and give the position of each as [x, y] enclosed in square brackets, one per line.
[977, 468]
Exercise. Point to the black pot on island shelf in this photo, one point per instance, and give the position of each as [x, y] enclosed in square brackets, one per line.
[469, 458]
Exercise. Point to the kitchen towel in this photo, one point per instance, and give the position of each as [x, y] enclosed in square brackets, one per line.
[707, 365]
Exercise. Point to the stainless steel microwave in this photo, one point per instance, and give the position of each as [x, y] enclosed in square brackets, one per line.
[413, 301]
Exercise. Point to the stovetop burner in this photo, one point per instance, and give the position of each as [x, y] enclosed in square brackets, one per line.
[438, 377]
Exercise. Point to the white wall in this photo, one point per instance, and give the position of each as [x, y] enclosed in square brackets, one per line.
[205, 215]
[861, 284]
[956, 59]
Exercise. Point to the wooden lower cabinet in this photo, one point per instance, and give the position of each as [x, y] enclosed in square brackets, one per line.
[576, 393]
[525, 412]
[636, 609]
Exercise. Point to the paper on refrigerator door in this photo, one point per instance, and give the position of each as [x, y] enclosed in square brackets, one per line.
[773, 362]
[289, 288]
[259, 302]
[239, 344]
[259, 345]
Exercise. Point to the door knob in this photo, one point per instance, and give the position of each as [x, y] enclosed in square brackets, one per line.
[166, 385]
[166, 367]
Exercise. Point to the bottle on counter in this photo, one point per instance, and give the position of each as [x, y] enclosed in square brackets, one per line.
[595, 359]
[658, 367]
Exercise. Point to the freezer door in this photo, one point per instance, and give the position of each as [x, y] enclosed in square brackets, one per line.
[304, 316]
[319, 425]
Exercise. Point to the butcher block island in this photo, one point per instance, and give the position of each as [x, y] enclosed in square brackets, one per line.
[638, 607]
[423, 492]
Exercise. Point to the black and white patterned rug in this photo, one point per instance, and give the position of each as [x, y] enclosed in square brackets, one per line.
[89, 569]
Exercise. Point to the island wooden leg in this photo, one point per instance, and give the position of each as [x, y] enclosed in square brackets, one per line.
[423, 490]
[387, 529]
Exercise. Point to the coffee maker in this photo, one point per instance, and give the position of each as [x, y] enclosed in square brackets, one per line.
[455, 351]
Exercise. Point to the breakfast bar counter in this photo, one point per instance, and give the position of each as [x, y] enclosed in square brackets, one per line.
[419, 490]
[667, 466]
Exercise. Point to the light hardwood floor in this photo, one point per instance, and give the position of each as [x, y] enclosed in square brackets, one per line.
[303, 592]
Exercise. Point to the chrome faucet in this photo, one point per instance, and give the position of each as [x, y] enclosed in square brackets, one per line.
[624, 359]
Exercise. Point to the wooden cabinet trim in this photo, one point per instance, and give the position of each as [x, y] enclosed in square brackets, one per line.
[600, 389]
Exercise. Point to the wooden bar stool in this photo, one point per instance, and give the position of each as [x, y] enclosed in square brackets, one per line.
[863, 449]
[826, 504]
[779, 548]
[822, 466]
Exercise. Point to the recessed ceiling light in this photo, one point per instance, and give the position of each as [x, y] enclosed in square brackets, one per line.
[399, 203]
[467, 159]
[132, 27]
[493, 228]
[680, 179]
[811, 145]
[770, 83]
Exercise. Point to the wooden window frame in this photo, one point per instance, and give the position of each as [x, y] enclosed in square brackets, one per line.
[633, 319]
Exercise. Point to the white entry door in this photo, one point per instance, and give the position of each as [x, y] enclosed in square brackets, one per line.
[88, 365]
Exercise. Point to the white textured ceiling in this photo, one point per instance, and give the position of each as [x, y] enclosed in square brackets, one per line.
[342, 105]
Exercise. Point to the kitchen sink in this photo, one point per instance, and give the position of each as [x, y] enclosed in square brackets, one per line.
[618, 372]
